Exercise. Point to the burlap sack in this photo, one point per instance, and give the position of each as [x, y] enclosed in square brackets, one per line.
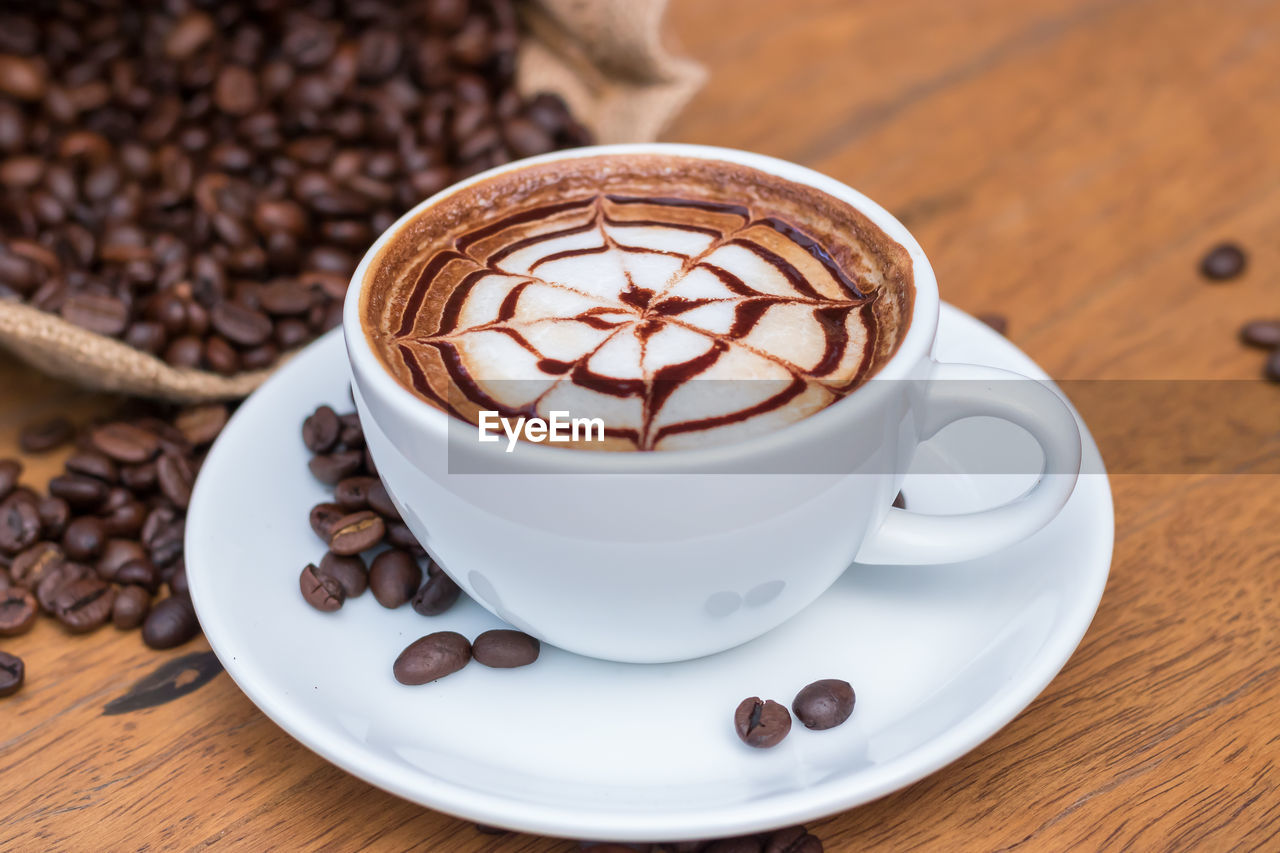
[604, 57]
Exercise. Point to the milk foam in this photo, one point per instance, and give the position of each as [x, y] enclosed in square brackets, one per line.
[679, 320]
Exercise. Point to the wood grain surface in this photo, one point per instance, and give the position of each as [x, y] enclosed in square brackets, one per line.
[1063, 162]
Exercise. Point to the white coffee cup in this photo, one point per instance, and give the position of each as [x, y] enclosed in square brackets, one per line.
[669, 555]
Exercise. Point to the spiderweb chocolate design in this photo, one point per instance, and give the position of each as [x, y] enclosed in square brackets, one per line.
[670, 318]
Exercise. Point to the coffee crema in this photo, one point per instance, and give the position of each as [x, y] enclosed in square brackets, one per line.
[683, 301]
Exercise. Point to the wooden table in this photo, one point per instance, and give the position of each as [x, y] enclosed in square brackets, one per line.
[1063, 162]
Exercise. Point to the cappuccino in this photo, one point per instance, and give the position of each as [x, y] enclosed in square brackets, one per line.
[683, 302]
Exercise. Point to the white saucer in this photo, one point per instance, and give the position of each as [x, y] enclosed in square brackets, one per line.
[940, 657]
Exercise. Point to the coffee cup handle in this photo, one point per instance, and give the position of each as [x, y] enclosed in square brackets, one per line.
[958, 391]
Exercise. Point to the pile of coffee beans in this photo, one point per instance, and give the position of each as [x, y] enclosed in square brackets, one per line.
[824, 704]
[198, 179]
[357, 523]
[370, 547]
[107, 536]
[793, 839]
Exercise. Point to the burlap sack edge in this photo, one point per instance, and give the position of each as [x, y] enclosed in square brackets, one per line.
[604, 57]
[65, 350]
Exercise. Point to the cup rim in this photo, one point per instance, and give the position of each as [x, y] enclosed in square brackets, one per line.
[914, 347]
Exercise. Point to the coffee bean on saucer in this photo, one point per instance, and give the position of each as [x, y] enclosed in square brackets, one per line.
[357, 532]
[12, 673]
[352, 494]
[1272, 369]
[321, 591]
[323, 517]
[824, 704]
[1223, 262]
[761, 723]
[170, 623]
[349, 571]
[505, 649]
[10, 472]
[432, 657]
[399, 535]
[130, 608]
[998, 322]
[18, 611]
[394, 577]
[436, 596]
[19, 523]
[794, 839]
[84, 605]
[380, 502]
[331, 468]
[1261, 333]
[900, 501]
[320, 430]
[45, 435]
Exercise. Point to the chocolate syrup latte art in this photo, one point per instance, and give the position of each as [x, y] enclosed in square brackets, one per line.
[684, 302]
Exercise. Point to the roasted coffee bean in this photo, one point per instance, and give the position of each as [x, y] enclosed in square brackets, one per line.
[55, 579]
[84, 605]
[54, 514]
[170, 623]
[399, 535]
[353, 493]
[84, 538]
[900, 501]
[176, 478]
[12, 673]
[177, 580]
[139, 478]
[356, 532]
[138, 573]
[20, 523]
[795, 839]
[321, 591]
[45, 435]
[504, 649]
[394, 577]
[22, 77]
[824, 704]
[331, 468]
[240, 325]
[740, 844]
[125, 520]
[18, 611]
[116, 554]
[80, 492]
[200, 425]
[1261, 333]
[380, 502]
[11, 472]
[130, 607]
[320, 430]
[436, 596]
[323, 517]
[221, 357]
[1272, 369]
[349, 571]
[1223, 262]
[5, 581]
[432, 657]
[761, 723]
[105, 315]
[185, 352]
[30, 566]
[93, 464]
[125, 442]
